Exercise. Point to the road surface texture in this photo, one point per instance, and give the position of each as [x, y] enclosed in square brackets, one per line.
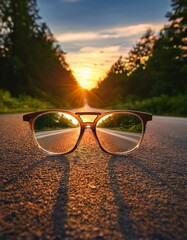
[89, 194]
[64, 141]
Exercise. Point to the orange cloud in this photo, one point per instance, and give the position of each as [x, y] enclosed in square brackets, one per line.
[90, 64]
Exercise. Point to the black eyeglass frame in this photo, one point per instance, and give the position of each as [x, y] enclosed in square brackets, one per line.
[144, 117]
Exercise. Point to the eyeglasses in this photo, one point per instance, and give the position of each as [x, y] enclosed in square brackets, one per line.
[59, 132]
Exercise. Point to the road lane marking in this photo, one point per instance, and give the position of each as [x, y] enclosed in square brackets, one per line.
[122, 133]
[119, 136]
[51, 133]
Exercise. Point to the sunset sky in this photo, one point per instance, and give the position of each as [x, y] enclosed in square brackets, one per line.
[94, 33]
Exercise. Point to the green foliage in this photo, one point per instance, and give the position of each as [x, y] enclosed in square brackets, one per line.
[31, 61]
[163, 105]
[53, 121]
[122, 122]
[21, 103]
[154, 71]
[140, 53]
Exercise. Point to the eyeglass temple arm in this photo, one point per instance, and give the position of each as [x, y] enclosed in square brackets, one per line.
[144, 116]
[149, 117]
[29, 116]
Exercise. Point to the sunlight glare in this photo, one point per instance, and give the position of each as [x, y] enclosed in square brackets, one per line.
[68, 116]
[73, 119]
[86, 77]
[84, 84]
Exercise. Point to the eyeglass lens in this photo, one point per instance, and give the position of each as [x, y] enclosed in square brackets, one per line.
[56, 132]
[119, 132]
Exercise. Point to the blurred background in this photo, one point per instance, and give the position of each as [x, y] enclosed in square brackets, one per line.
[114, 54]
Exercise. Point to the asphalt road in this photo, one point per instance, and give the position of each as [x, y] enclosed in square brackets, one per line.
[89, 194]
[58, 141]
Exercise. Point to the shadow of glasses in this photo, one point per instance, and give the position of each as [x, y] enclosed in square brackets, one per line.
[59, 215]
[125, 220]
[20, 174]
[137, 190]
[59, 212]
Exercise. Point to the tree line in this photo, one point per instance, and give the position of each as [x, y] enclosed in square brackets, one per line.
[53, 121]
[155, 66]
[31, 61]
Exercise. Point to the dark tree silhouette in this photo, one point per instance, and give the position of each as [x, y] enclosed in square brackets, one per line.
[31, 61]
[155, 66]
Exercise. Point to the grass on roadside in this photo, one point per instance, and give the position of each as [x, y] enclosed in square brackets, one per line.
[162, 105]
[9, 104]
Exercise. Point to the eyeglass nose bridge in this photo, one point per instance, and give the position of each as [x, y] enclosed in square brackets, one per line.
[91, 126]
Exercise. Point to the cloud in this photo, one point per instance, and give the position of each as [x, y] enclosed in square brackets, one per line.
[95, 55]
[109, 49]
[116, 32]
[97, 59]
[81, 36]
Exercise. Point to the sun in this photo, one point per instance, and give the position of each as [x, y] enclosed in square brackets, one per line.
[84, 84]
[85, 77]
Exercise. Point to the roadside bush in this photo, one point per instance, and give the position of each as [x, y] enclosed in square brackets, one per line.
[21, 104]
[162, 105]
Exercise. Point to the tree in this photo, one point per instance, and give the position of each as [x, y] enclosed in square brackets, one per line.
[178, 26]
[124, 78]
[156, 65]
[31, 61]
[169, 62]
[140, 53]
